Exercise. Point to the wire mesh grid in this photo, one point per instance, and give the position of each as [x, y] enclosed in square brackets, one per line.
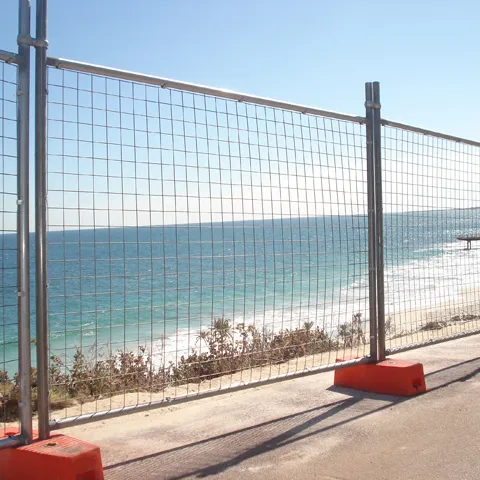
[431, 198]
[195, 243]
[8, 243]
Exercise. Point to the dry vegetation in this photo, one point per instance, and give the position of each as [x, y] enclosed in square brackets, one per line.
[228, 349]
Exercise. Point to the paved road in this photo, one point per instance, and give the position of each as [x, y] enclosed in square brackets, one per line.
[306, 429]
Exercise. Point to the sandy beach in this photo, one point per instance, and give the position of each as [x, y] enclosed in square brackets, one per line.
[404, 328]
[450, 317]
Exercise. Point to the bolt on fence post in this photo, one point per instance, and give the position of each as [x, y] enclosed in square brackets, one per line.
[41, 218]
[372, 277]
[23, 258]
[377, 140]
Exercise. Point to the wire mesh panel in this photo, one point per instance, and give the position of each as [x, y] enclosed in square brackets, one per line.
[196, 243]
[8, 245]
[432, 208]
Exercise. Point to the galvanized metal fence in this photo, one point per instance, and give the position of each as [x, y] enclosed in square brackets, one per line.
[191, 240]
[8, 228]
[197, 240]
[432, 196]
[16, 399]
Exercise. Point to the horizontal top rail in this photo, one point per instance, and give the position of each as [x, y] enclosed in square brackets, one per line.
[423, 131]
[191, 87]
[8, 57]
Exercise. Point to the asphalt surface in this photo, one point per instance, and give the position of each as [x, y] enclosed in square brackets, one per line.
[305, 428]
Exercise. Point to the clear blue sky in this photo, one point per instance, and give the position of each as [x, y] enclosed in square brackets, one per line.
[317, 52]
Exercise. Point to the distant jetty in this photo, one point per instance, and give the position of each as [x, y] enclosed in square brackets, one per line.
[469, 239]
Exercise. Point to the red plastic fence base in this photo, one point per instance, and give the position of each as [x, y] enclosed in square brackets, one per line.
[59, 458]
[391, 377]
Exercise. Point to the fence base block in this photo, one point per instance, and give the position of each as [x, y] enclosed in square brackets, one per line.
[391, 377]
[60, 457]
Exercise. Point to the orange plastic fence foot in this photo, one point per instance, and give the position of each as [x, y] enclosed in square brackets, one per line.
[391, 377]
[59, 458]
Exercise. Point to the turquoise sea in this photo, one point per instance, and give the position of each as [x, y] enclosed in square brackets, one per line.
[117, 288]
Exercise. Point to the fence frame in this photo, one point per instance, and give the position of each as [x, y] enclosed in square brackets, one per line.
[379, 260]
[61, 63]
[442, 339]
[373, 123]
[8, 57]
[372, 261]
[12, 440]
[41, 219]
[22, 59]
[411, 128]
[23, 219]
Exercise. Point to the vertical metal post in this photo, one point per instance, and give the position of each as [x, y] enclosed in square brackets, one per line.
[372, 272]
[23, 258]
[377, 141]
[41, 217]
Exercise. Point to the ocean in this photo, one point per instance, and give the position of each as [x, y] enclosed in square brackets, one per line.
[118, 288]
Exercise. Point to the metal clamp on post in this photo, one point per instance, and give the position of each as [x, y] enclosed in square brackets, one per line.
[370, 104]
[31, 42]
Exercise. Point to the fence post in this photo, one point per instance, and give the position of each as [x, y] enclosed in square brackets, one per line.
[41, 217]
[372, 271]
[23, 262]
[377, 140]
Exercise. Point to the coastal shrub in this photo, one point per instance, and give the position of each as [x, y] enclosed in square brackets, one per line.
[221, 349]
[85, 380]
[90, 379]
[351, 333]
[389, 326]
[230, 349]
[434, 325]
[10, 394]
[464, 318]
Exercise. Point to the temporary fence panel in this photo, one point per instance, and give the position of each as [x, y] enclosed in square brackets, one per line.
[8, 241]
[198, 239]
[431, 199]
[15, 340]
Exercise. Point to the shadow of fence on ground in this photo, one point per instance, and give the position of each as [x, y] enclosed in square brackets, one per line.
[215, 455]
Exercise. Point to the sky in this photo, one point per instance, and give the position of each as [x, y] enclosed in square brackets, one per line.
[319, 53]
